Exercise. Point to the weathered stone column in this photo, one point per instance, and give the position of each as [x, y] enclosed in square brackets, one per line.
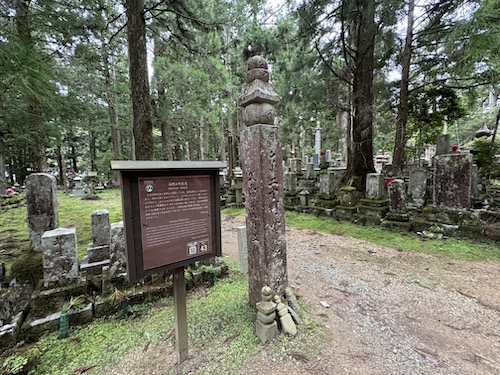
[41, 202]
[263, 184]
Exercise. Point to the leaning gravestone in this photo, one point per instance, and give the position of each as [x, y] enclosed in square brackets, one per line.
[263, 184]
[41, 202]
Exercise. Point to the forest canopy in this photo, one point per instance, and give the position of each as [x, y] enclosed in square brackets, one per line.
[85, 82]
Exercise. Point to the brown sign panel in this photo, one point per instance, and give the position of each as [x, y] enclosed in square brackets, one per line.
[171, 214]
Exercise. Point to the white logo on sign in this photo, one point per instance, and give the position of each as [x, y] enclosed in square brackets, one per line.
[149, 188]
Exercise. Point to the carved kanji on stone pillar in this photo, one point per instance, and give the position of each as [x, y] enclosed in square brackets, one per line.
[263, 184]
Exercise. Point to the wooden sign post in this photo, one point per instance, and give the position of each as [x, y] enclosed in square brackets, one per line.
[171, 212]
[181, 326]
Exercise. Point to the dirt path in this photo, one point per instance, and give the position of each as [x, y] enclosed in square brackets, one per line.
[390, 312]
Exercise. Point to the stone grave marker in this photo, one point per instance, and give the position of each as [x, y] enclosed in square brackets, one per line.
[60, 262]
[41, 202]
[453, 180]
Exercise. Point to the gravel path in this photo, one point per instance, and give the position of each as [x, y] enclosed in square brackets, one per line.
[391, 312]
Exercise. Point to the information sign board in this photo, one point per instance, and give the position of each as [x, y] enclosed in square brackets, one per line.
[171, 214]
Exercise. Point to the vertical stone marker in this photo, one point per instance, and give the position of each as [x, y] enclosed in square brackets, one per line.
[41, 202]
[263, 184]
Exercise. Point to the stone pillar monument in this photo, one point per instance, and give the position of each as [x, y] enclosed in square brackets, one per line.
[263, 184]
[317, 145]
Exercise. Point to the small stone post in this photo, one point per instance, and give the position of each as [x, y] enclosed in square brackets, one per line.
[263, 184]
[41, 202]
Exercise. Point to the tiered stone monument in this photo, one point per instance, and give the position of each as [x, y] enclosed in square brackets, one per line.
[41, 202]
[263, 184]
[266, 327]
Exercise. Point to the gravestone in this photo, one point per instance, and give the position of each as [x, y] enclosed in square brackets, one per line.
[443, 144]
[263, 184]
[241, 233]
[295, 165]
[41, 203]
[327, 183]
[310, 173]
[98, 250]
[328, 157]
[290, 181]
[417, 187]
[375, 188]
[117, 250]
[453, 179]
[60, 262]
[78, 188]
[397, 201]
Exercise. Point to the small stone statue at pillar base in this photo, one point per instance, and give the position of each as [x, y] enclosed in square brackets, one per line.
[266, 327]
[287, 324]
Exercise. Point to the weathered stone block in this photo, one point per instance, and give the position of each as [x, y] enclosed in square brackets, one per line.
[295, 165]
[241, 233]
[60, 263]
[290, 181]
[41, 202]
[101, 235]
[117, 254]
[453, 180]
[417, 187]
[375, 188]
[327, 183]
[397, 196]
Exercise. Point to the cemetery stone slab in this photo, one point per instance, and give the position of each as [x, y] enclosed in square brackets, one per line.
[453, 178]
[41, 202]
[60, 263]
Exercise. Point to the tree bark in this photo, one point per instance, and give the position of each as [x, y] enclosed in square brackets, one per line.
[361, 161]
[34, 110]
[139, 80]
[399, 155]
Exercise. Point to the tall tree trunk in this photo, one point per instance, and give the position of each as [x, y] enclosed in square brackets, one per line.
[92, 150]
[2, 170]
[139, 80]
[161, 107]
[203, 138]
[222, 142]
[34, 110]
[361, 162]
[62, 170]
[112, 113]
[399, 155]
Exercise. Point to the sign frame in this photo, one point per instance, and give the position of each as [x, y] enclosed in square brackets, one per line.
[130, 173]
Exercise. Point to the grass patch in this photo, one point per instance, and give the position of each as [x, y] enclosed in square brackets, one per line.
[452, 247]
[75, 212]
[220, 324]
